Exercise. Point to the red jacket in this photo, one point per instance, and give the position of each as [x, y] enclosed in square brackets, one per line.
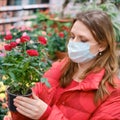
[76, 101]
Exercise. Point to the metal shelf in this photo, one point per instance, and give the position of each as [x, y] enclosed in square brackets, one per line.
[20, 8]
[23, 7]
[10, 8]
[16, 19]
[34, 6]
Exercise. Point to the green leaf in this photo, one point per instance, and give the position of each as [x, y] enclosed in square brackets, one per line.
[36, 70]
[12, 75]
[7, 64]
[44, 80]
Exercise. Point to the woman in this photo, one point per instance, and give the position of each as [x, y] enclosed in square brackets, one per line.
[84, 85]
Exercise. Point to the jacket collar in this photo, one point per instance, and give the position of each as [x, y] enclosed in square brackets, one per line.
[91, 82]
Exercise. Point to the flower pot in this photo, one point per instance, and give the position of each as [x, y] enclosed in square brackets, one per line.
[14, 114]
[63, 20]
[60, 55]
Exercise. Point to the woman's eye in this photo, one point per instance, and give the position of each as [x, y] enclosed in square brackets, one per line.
[83, 40]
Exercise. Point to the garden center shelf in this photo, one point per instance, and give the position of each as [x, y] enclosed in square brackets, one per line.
[13, 14]
[16, 19]
[23, 7]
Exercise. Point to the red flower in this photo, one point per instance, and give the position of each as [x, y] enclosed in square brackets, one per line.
[8, 37]
[13, 44]
[61, 35]
[24, 39]
[49, 34]
[42, 40]
[32, 52]
[8, 47]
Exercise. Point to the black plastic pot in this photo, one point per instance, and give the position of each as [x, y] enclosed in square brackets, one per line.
[11, 98]
[14, 114]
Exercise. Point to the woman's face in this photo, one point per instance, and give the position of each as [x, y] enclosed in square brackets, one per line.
[80, 32]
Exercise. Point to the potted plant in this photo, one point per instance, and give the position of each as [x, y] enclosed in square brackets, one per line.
[24, 63]
[57, 34]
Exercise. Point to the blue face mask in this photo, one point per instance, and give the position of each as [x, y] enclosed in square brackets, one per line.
[79, 52]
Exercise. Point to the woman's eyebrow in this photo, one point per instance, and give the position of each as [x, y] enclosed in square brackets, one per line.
[83, 37]
[80, 36]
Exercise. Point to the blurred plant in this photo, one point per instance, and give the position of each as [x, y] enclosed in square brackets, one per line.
[66, 2]
[3, 105]
[56, 42]
[116, 2]
[57, 32]
[3, 108]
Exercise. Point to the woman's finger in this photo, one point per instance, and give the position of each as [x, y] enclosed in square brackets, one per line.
[23, 112]
[24, 99]
[18, 103]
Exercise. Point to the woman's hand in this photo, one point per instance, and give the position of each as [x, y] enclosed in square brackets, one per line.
[31, 108]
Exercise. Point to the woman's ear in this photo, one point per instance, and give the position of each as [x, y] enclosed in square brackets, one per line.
[101, 48]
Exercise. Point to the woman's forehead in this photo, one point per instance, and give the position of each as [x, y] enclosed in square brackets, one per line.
[81, 29]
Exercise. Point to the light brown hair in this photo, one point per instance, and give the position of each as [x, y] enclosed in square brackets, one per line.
[100, 25]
